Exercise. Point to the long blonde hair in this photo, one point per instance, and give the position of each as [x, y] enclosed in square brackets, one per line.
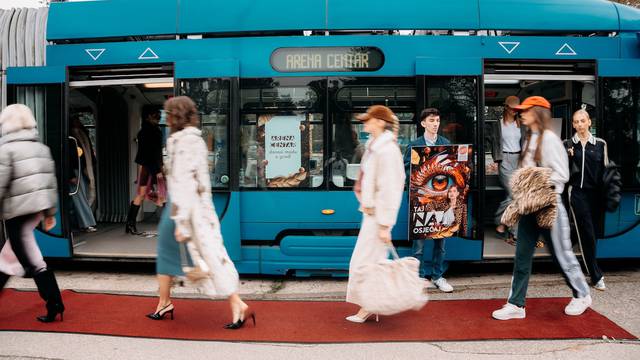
[542, 117]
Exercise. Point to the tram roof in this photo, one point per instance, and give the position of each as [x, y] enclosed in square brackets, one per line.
[123, 18]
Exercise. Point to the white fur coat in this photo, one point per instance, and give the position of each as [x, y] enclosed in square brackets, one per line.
[192, 210]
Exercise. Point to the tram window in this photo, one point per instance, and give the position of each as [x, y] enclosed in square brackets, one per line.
[621, 126]
[212, 100]
[34, 98]
[354, 96]
[282, 133]
[456, 99]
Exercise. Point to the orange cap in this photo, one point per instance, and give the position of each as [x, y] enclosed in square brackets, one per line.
[379, 112]
[532, 101]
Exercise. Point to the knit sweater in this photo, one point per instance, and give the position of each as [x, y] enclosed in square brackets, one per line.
[554, 156]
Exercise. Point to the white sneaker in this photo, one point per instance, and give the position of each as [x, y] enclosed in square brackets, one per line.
[600, 285]
[443, 285]
[508, 312]
[578, 305]
[428, 284]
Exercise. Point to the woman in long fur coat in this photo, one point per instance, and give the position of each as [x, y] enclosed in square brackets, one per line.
[192, 211]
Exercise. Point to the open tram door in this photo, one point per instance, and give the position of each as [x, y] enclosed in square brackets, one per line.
[214, 86]
[452, 85]
[568, 86]
[43, 90]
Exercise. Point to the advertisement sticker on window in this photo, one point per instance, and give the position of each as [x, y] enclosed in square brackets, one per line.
[283, 149]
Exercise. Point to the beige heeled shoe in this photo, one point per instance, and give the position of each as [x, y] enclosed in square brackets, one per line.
[357, 319]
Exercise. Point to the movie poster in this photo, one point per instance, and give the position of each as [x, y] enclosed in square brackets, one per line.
[438, 190]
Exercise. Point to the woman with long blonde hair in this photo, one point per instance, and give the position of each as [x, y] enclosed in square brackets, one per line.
[543, 148]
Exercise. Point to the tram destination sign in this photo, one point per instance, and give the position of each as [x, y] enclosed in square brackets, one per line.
[327, 59]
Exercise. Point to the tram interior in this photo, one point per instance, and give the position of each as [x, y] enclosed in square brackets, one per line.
[565, 96]
[111, 116]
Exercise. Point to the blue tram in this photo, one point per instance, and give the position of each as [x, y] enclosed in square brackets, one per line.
[316, 64]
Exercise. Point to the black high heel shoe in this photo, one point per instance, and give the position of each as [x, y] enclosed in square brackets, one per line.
[52, 314]
[159, 315]
[131, 228]
[240, 323]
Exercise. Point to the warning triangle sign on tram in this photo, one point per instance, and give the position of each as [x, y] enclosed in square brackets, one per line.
[148, 54]
[509, 46]
[566, 50]
[94, 53]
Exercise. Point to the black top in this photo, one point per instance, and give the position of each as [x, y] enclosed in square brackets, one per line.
[587, 163]
[150, 147]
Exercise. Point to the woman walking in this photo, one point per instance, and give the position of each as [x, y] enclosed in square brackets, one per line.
[506, 146]
[587, 159]
[149, 159]
[543, 148]
[28, 194]
[191, 217]
[379, 191]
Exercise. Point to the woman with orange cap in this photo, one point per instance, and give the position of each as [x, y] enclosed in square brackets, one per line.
[506, 144]
[543, 148]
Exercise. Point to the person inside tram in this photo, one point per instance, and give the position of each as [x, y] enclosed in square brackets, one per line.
[543, 148]
[506, 138]
[435, 267]
[82, 159]
[149, 159]
[587, 160]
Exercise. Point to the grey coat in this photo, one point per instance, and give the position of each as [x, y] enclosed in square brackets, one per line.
[27, 175]
[495, 139]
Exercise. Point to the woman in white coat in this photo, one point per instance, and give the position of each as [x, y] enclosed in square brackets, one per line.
[194, 216]
[379, 191]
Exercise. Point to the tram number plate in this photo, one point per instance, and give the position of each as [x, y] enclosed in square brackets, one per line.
[330, 59]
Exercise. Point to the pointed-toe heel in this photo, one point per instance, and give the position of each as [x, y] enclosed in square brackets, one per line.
[159, 315]
[51, 316]
[248, 313]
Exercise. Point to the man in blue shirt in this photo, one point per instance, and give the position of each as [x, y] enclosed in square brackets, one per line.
[436, 266]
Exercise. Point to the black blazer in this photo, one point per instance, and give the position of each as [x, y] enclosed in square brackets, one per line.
[150, 147]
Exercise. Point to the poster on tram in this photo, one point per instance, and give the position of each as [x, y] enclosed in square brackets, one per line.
[286, 155]
[438, 190]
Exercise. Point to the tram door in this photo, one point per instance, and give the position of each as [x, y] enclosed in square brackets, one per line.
[452, 87]
[43, 90]
[213, 86]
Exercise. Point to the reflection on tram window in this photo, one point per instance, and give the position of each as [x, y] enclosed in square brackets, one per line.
[281, 136]
[354, 96]
[456, 99]
[621, 125]
[212, 99]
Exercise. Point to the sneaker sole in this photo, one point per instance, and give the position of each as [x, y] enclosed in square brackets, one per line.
[509, 318]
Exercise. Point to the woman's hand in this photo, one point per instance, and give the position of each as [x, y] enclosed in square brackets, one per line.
[49, 223]
[384, 233]
[369, 211]
[179, 237]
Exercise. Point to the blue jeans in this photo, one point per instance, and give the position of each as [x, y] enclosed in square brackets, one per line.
[432, 266]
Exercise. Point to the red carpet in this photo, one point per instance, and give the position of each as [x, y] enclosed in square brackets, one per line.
[303, 321]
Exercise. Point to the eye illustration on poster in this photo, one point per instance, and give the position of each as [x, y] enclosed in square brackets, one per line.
[439, 185]
[284, 151]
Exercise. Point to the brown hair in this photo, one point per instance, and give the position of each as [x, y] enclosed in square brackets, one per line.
[542, 118]
[183, 111]
[429, 112]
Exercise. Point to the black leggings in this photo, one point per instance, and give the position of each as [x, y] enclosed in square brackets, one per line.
[586, 211]
[23, 243]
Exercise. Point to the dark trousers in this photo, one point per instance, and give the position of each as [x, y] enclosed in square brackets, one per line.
[585, 209]
[558, 241]
[23, 243]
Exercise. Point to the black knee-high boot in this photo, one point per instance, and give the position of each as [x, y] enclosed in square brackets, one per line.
[131, 219]
[50, 293]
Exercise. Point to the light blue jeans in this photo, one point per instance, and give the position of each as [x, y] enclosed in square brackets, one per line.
[433, 265]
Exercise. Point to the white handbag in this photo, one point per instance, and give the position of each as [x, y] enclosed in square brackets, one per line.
[392, 286]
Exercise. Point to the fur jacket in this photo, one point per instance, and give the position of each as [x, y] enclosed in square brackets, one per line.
[533, 193]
